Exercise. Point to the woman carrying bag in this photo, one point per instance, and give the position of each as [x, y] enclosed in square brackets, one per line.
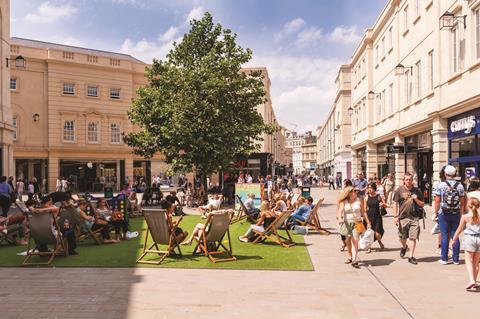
[374, 204]
[350, 215]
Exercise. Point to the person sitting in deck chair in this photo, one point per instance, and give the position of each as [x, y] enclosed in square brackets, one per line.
[266, 218]
[250, 206]
[46, 205]
[302, 212]
[180, 234]
[213, 204]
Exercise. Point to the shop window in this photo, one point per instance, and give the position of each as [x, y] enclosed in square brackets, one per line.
[462, 147]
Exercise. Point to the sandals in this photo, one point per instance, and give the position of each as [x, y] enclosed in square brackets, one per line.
[343, 248]
[355, 264]
[348, 261]
[369, 250]
[472, 287]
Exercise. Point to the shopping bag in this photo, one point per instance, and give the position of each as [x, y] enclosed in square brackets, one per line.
[435, 229]
[300, 230]
[366, 240]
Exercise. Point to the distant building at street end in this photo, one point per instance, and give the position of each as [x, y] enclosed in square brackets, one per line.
[303, 148]
[334, 135]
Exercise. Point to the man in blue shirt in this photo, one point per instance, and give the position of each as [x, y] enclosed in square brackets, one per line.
[5, 195]
[448, 208]
[302, 212]
[360, 184]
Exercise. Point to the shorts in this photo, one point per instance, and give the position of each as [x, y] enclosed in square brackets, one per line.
[409, 228]
[471, 243]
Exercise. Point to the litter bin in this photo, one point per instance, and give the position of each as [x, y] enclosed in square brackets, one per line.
[108, 192]
[305, 192]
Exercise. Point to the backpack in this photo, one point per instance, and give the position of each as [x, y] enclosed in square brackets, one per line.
[451, 199]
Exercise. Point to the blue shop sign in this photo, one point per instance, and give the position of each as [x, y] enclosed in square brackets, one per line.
[464, 124]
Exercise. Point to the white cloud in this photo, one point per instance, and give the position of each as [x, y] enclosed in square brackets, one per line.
[51, 13]
[70, 41]
[196, 13]
[169, 34]
[345, 35]
[146, 50]
[308, 37]
[289, 28]
[303, 88]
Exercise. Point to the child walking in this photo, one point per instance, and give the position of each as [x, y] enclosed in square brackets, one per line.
[470, 225]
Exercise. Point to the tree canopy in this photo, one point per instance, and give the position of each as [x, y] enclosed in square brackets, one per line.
[199, 108]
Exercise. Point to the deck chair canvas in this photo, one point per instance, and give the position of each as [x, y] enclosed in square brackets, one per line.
[14, 226]
[210, 241]
[240, 213]
[272, 230]
[312, 222]
[161, 234]
[44, 230]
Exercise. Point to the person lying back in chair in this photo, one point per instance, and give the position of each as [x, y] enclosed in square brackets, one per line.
[213, 203]
[250, 206]
[46, 206]
[302, 212]
[267, 216]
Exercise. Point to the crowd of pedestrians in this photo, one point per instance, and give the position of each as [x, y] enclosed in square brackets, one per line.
[362, 204]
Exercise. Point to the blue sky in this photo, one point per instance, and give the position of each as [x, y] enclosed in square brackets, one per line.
[301, 42]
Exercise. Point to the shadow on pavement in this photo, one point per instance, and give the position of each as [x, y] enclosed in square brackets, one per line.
[377, 262]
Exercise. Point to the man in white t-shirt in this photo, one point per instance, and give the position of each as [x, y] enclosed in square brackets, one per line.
[214, 203]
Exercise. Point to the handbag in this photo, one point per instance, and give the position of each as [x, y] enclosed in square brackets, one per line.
[117, 215]
[383, 211]
[360, 227]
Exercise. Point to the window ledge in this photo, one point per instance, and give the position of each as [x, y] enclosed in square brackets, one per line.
[429, 5]
[14, 91]
[376, 66]
[71, 95]
[383, 59]
[429, 94]
[455, 77]
[363, 77]
[417, 19]
[404, 34]
[69, 142]
[471, 68]
[92, 97]
[417, 101]
[390, 50]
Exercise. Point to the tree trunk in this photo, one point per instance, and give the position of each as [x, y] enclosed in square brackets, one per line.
[205, 187]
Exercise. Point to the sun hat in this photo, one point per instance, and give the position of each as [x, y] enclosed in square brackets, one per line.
[450, 170]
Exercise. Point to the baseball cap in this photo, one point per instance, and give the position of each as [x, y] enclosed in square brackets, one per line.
[450, 170]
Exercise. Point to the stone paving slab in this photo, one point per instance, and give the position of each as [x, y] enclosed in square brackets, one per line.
[387, 288]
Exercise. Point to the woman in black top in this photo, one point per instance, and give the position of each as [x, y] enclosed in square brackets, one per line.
[372, 203]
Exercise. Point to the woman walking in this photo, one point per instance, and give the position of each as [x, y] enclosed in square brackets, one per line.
[471, 243]
[373, 201]
[350, 215]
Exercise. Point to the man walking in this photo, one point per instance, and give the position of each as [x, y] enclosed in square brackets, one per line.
[331, 182]
[360, 184]
[448, 208]
[405, 215]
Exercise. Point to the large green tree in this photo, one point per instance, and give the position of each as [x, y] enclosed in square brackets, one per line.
[199, 107]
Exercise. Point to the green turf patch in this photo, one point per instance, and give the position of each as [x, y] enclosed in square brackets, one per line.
[267, 255]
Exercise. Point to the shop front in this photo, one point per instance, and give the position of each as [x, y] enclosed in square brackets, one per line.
[419, 162]
[92, 176]
[463, 143]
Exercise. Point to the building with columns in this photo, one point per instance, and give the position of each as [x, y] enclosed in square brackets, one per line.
[415, 98]
[334, 135]
[6, 125]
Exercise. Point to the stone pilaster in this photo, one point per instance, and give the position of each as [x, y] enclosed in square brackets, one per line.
[439, 146]
[399, 161]
[356, 163]
[371, 160]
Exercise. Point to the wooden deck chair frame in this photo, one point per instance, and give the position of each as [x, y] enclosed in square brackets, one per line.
[9, 236]
[241, 212]
[60, 246]
[88, 234]
[172, 242]
[272, 230]
[313, 221]
[203, 246]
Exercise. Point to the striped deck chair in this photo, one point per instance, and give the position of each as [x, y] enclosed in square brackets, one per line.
[44, 230]
[162, 234]
[272, 230]
[210, 241]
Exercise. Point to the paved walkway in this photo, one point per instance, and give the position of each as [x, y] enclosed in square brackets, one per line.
[384, 287]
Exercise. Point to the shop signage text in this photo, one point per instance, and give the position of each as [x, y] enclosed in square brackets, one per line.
[466, 124]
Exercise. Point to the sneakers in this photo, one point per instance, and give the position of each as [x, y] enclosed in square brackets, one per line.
[443, 262]
[403, 251]
[456, 262]
[243, 239]
[412, 260]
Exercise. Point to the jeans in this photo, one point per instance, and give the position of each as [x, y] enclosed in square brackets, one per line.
[69, 235]
[294, 217]
[448, 225]
[5, 203]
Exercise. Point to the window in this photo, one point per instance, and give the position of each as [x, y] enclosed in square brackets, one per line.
[405, 19]
[418, 78]
[418, 7]
[390, 38]
[477, 32]
[115, 94]
[364, 66]
[408, 87]
[13, 84]
[384, 111]
[92, 90]
[115, 135]
[430, 70]
[69, 131]
[383, 47]
[379, 106]
[364, 113]
[92, 59]
[68, 55]
[15, 127]
[376, 55]
[92, 132]
[68, 88]
[454, 39]
[390, 96]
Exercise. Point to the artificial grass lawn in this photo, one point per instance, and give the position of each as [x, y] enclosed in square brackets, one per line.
[267, 255]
